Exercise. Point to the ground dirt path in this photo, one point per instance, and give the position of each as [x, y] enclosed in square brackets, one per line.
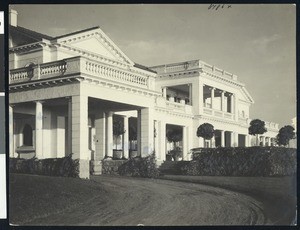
[151, 202]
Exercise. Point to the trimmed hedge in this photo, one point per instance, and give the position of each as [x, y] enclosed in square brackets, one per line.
[140, 167]
[242, 161]
[66, 166]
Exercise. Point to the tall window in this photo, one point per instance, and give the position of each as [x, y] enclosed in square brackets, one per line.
[27, 135]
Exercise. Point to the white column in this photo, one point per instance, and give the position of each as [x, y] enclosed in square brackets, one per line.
[147, 129]
[213, 142]
[156, 145]
[263, 140]
[80, 138]
[236, 139]
[100, 138]
[232, 139]
[60, 137]
[39, 130]
[125, 139]
[231, 103]
[184, 142]
[161, 151]
[109, 135]
[139, 149]
[212, 96]
[223, 108]
[11, 132]
[198, 91]
[247, 140]
[69, 125]
[222, 138]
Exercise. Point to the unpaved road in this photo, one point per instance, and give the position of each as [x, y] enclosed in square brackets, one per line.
[132, 201]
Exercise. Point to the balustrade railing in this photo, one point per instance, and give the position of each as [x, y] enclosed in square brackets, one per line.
[77, 65]
[218, 113]
[21, 74]
[177, 67]
[53, 68]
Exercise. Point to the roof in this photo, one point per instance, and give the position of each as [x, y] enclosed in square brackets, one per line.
[143, 67]
[23, 36]
[77, 32]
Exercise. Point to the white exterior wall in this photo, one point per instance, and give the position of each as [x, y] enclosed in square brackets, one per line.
[26, 58]
[147, 98]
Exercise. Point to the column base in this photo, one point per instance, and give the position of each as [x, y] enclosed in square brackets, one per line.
[96, 167]
[84, 169]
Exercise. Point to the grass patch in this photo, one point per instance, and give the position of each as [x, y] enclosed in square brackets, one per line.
[32, 197]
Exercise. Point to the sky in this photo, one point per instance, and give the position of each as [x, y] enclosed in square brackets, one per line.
[255, 42]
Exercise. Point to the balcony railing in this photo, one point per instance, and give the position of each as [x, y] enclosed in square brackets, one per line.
[177, 67]
[218, 113]
[79, 65]
[268, 125]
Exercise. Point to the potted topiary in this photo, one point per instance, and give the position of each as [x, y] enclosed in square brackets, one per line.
[174, 136]
[118, 130]
[133, 139]
[176, 153]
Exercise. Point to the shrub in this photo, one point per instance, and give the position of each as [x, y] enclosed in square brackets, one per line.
[66, 166]
[242, 161]
[140, 167]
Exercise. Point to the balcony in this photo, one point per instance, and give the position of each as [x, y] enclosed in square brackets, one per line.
[217, 113]
[181, 107]
[79, 65]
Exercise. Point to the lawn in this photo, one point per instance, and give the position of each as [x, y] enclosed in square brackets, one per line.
[107, 200]
[33, 197]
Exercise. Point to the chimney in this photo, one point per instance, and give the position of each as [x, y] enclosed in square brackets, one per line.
[13, 17]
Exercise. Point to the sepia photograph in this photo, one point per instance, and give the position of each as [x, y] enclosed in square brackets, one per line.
[152, 115]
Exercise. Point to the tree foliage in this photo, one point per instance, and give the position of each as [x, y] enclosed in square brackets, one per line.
[257, 126]
[174, 135]
[206, 131]
[132, 133]
[285, 134]
[118, 128]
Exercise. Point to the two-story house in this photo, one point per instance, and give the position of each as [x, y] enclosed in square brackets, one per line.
[65, 92]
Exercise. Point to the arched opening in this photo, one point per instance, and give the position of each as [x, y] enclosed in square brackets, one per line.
[27, 135]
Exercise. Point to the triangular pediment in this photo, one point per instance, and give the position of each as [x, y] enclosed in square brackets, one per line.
[245, 95]
[95, 41]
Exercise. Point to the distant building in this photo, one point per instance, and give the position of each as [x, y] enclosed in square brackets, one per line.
[66, 91]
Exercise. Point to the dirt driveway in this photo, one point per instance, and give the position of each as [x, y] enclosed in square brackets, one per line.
[132, 201]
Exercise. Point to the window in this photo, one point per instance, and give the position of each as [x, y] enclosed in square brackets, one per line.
[27, 135]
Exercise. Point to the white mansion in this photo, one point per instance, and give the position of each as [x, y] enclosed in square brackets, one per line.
[66, 91]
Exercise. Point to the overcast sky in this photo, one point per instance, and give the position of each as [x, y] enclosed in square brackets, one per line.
[255, 42]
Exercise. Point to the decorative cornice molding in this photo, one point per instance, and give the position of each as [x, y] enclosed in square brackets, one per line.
[223, 79]
[170, 111]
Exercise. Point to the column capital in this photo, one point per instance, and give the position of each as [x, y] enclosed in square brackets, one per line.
[39, 101]
[110, 113]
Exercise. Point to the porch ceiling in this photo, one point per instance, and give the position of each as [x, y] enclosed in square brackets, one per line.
[113, 106]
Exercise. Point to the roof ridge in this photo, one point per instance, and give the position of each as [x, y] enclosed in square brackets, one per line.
[77, 32]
